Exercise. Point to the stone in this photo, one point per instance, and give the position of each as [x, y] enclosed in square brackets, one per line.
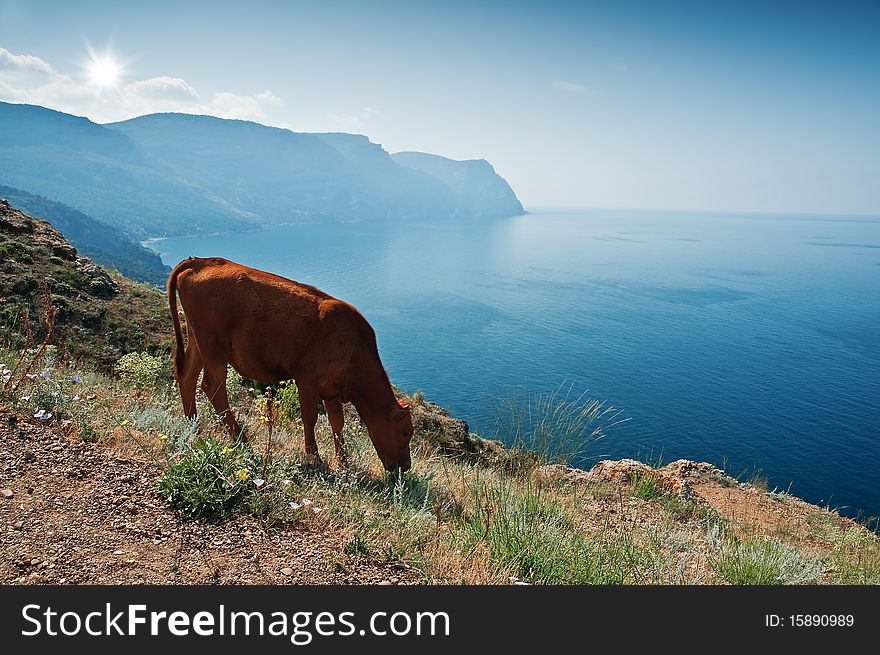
[287, 571]
[8, 493]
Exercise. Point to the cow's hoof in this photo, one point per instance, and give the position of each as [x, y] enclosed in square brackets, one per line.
[341, 461]
[313, 460]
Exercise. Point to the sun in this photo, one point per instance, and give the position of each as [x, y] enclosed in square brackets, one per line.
[104, 71]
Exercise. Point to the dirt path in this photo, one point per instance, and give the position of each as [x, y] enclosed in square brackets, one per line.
[79, 514]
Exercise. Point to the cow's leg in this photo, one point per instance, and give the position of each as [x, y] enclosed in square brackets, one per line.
[336, 416]
[188, 380]
[214, 386]
[308, 406]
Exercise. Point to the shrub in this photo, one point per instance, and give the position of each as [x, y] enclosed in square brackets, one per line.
[139, 370]
[209, 479]
[287, 401]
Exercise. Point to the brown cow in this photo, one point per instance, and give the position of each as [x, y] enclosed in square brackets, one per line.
[271, 329]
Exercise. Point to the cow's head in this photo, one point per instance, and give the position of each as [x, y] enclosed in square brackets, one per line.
[391, 435]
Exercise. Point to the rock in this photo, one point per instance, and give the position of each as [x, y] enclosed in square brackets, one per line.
[100, 285]
[18, 525]
[559, 473]
[8, 493]
[119, 552]
[287, 571]
[452, 435]
[29, 457]
[57, 449]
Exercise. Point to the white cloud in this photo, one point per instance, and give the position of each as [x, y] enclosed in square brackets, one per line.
[248, 107]
[163, 88]
[29, 79]
[569, 87]
[11, 61]
[353, 121]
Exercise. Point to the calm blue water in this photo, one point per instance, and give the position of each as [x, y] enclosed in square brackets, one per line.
[747, 341]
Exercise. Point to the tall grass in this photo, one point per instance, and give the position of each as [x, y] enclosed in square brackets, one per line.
[558, 426]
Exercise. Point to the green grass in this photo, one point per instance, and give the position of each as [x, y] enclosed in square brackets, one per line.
[757, 561]
[646, 486]
[533, 537]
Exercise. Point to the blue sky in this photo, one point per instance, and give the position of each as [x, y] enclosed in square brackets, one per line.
[767, 106]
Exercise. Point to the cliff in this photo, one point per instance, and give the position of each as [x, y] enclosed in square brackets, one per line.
[216, 175]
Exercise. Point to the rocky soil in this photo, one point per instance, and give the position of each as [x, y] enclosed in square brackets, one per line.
[76, 513]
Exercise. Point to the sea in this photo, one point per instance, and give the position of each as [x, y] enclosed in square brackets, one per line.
[751, 341]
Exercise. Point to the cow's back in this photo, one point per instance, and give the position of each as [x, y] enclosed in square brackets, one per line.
[263, 324]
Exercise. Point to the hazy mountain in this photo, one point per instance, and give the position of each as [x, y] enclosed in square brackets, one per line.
[103, 173]
[171, 174]
[106, 244]
[482, 190]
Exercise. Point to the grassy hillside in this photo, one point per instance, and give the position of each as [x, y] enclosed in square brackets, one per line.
[98, 315]
[106, 244]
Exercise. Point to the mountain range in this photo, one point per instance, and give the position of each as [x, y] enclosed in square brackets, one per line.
[181, 174]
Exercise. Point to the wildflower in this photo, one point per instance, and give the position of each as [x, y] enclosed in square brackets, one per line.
[43, 415]
[306, 501]
[25, 399]
[30, 376]
[76, 379]
[163, 437]
[45, 374]
[294, 506]
[226, 450]
[259, 482]
[75, 397]
[317, 510]
[124, 422]
[243, 474]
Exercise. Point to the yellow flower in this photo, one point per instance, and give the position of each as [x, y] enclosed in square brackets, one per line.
[226, 451]
[163, 437]
[243, 474]
[124, 422]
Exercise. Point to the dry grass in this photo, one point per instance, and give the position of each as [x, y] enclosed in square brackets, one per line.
[464, 522]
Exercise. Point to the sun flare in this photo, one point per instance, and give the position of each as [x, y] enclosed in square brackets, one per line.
[104, 71]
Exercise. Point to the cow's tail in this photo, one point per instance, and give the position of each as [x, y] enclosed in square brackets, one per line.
[177, 357]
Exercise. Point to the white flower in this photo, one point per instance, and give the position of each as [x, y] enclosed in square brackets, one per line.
[295, 506]
[306, 501]
[317, 510]
[259, 482]
[43, 415]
